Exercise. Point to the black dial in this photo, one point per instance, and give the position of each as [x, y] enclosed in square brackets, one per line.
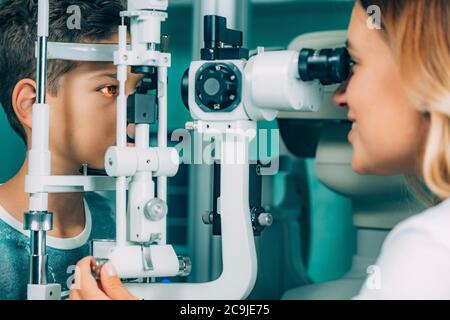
[218, 87]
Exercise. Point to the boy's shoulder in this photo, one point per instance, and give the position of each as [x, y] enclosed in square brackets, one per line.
[14, 262]
[11, 230]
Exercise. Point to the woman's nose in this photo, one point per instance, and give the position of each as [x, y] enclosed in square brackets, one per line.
[339, 96]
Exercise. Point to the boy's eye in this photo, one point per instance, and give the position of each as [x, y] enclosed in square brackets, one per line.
[108, 91]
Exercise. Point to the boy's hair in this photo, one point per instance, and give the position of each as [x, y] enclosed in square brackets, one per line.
[18, 33]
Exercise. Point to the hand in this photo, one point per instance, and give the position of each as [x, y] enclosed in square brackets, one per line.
[109, 287]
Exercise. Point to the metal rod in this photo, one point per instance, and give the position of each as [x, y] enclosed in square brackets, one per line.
[121, 182]
[38, 261]
[38, 258]
[41, 74]
[162, 125]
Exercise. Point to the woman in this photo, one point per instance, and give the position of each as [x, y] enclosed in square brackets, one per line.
[398, 98]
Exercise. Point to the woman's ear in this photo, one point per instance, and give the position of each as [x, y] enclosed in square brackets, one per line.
[23, 99]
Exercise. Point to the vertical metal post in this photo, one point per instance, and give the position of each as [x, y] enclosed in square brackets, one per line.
[205, 253]
[38, 259]
[38, 220]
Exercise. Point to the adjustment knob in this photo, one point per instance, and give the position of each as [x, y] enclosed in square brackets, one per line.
[218, 87]
[155, 209]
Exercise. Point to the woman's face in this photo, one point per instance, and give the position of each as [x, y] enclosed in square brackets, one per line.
[388, 133]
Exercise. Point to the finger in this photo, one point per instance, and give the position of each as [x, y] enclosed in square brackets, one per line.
[85, 283]
[83, 273]
[112, 285]
[74, 295]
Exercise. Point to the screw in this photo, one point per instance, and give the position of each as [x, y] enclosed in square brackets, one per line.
[265, 219]
[185, 266]
[207, 218]
[191, 126]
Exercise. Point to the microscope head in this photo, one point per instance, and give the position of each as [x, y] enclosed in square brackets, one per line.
[228, 85]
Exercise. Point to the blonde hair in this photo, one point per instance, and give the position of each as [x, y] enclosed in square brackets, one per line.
[418, 31]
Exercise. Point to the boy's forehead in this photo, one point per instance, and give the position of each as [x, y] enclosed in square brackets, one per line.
[95, 71]
[96, 67]
[90, 70]
[99, 67]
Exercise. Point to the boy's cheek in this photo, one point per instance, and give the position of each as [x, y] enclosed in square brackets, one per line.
[93, 141]
[94, 157]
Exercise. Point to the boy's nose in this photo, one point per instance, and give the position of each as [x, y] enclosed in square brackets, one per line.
[339, 96]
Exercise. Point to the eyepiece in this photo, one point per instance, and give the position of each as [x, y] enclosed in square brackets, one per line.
[329, 66]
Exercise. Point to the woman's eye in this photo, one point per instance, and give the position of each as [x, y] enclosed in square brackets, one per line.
[109, 91]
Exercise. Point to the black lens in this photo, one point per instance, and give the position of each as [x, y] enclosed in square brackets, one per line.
[329, 66]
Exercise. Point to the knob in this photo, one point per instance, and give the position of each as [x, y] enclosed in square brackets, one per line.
[265, 219]
[155, 209]
[208, 217]
[185, 266]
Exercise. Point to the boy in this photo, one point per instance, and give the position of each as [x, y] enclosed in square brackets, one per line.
[82, 99]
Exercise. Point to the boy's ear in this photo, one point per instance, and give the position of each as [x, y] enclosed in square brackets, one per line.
[23, 99]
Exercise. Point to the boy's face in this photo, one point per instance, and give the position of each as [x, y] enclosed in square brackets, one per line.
[83, 115]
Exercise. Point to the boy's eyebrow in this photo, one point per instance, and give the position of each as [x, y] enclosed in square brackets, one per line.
[107, 74]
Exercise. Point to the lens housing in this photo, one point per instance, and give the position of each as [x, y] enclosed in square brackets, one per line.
[329, 66]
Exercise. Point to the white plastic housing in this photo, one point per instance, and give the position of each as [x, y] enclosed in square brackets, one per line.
[142, 190]
[126, 161]
[39, 155]
[272, 84]
[134, 5]
[198, 114]
[149, 27]
[128, 261]
[43, 14]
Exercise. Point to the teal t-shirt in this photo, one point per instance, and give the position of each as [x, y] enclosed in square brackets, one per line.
[63, 254]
